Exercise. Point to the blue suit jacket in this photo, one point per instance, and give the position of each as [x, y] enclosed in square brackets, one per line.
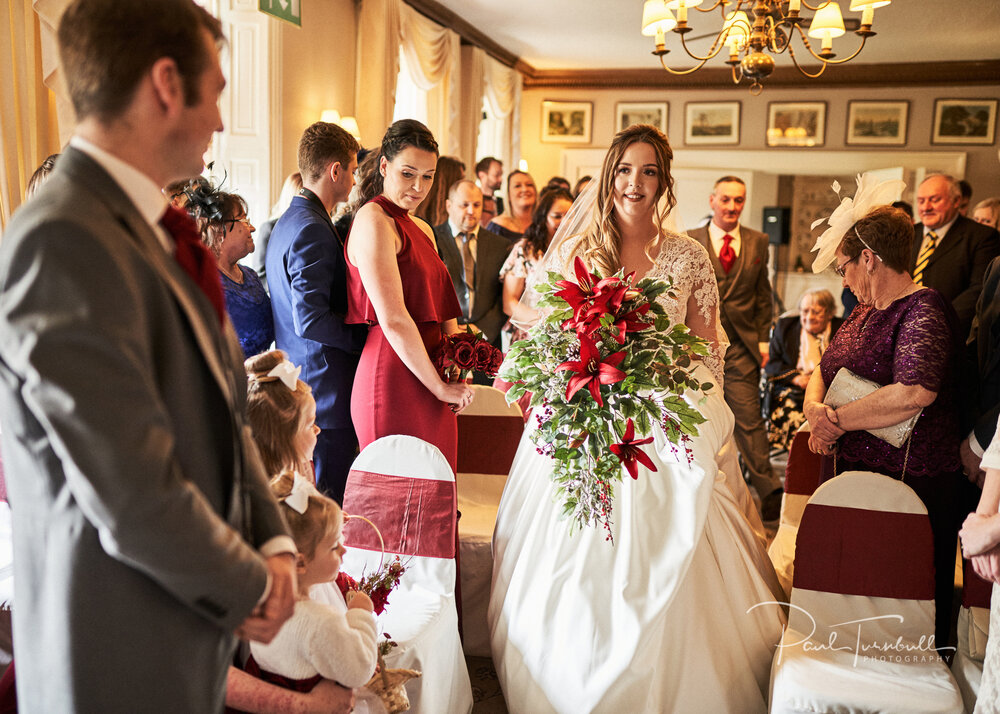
[307, 275]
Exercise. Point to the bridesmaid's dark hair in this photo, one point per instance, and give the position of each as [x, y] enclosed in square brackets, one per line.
[536, 235]
[401, 135]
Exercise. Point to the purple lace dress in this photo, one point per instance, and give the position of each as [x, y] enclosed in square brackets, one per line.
[910, 342]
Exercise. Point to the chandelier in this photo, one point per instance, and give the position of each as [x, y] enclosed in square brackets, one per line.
[772, 28]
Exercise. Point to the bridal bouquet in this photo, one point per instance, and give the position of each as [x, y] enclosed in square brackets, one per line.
[604, 367]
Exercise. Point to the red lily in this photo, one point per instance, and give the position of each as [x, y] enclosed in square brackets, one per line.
[581, 292]
[631, 322]
[629, 452]
[591, 371]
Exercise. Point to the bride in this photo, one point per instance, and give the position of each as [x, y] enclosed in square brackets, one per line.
[663, 618]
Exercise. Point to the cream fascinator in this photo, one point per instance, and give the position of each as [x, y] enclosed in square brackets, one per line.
[871, 193]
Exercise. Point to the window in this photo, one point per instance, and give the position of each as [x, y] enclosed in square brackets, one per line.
[411, 101]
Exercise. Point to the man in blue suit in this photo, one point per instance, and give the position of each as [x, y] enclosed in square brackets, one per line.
[307, 274]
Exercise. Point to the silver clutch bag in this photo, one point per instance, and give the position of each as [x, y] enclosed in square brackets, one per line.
[848, 387]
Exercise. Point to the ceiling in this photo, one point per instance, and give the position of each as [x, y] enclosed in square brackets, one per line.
[605, 34]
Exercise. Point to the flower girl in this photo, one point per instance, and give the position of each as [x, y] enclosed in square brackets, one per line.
[320, 640]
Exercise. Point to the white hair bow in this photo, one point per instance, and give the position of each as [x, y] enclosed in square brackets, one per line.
[298, 499]
[871, 193]
[287, 373]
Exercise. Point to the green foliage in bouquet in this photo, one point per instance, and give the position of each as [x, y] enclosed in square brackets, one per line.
[603, 365]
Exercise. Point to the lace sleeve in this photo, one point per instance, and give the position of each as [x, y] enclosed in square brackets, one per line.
[685, 262]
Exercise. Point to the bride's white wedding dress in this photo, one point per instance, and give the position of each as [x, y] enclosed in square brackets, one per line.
[661, 620]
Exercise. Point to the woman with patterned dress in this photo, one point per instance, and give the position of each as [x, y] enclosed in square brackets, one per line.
[797, 345]
[902, 336]
[398, 285]
[545, 221]
[674, 615]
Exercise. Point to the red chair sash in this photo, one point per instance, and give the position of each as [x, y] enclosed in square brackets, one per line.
[416, 516]
[487, 444]
[855, 551]
[803, 469]
[976, 592]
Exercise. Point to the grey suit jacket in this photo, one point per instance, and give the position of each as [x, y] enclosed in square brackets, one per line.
[745, 293]
[491, 252]
[138, 496]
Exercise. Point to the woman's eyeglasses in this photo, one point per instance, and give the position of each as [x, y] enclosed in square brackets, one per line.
[840, 269]
[231, 223]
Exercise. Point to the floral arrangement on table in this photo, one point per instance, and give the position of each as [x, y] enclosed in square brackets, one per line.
[604, 366]
[461, 354]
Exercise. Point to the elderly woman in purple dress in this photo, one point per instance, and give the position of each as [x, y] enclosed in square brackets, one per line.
[901, 336]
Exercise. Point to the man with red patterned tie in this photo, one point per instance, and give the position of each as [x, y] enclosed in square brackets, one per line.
[739, 255]
[145, 534]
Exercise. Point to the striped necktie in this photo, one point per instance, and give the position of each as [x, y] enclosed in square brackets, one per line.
[926, 251]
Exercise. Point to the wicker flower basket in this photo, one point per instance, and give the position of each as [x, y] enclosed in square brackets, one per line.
[389, 684]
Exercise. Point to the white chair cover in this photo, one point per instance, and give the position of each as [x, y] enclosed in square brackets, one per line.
[973, 617]
[861, 624]
[801, 479]
[488, 435]
[407, 489]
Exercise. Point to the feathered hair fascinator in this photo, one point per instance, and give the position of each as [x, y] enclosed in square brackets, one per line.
[871, 193]
[205, 200]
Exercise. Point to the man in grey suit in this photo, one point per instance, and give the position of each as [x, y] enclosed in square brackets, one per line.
[739, 256]
[145, 534]
[473, 256]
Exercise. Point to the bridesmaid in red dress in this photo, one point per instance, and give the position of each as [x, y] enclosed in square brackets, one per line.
[398, 285]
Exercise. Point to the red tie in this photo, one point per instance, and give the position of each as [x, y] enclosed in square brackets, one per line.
[727, 256]
[195, 259]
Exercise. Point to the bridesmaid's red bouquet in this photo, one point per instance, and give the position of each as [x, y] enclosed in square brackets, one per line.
[377, 585]
[461, 354]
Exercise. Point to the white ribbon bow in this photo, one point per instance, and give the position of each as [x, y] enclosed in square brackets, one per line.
[287, 373]
[298, 499]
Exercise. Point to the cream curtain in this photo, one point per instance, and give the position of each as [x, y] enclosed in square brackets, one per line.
[29, 117]
[471, 103]
[503, 92]
[377, 67]
[433, 54]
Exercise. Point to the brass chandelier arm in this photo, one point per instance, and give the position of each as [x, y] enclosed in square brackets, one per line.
[713, 51]
[716, 4]
[791, 53]
[684, 71]
[810, 7]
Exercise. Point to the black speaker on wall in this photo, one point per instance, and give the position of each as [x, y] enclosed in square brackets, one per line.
[776, 224]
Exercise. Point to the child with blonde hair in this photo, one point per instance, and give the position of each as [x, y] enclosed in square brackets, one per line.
[320, 640]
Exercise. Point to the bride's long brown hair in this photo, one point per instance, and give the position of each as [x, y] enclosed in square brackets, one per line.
[602, 243]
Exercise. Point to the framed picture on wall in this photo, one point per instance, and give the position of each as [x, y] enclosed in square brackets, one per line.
[796, 123]
[877, 122]
[964, 121]
[566, 122]
[629, 113]
[712, 123]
